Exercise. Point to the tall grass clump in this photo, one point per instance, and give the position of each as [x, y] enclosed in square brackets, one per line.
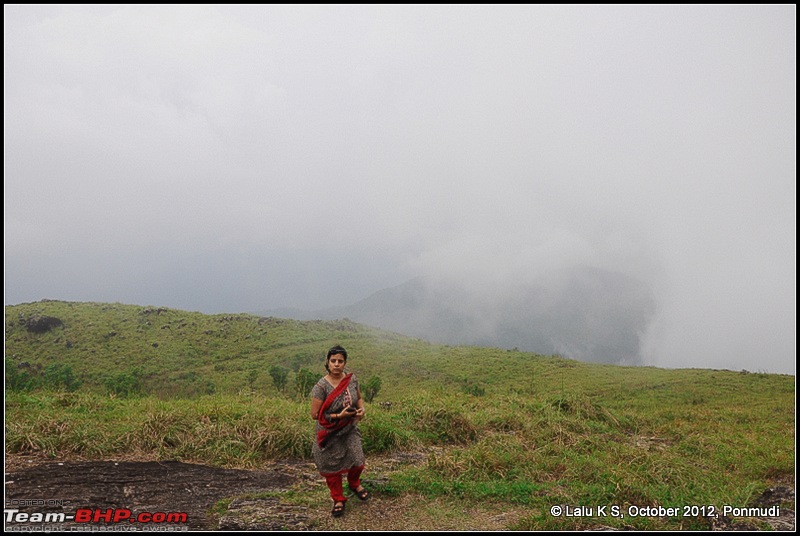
[385, 431]
[221, 430]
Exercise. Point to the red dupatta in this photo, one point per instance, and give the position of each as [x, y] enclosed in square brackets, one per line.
[329, 427]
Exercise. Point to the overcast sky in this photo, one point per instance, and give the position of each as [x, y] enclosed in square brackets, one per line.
[237, 159]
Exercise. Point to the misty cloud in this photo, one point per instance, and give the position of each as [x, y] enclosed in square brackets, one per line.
[244, 158]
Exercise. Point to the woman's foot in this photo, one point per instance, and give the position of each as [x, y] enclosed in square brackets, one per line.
[338, 509]
[361, 493]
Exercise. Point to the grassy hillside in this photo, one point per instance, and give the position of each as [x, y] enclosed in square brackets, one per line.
[179, 353]
[516, 429]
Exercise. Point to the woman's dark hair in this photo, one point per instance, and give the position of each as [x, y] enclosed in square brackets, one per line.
[334, 351]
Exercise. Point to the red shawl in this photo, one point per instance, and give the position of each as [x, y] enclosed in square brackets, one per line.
[329, 427]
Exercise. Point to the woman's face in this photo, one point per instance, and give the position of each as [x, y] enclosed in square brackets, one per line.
[336, 363]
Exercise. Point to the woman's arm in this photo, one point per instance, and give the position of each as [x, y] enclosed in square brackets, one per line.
[316, 404]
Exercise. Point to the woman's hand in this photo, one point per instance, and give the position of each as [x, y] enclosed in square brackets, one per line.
[360, 413]
[349, 411]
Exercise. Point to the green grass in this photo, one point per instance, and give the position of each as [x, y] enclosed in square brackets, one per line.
[216, 429]
[511, 429]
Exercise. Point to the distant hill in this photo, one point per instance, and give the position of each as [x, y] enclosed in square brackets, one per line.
[169, 351]
[585, 313]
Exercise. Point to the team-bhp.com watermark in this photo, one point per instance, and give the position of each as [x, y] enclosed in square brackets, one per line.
[88, 519]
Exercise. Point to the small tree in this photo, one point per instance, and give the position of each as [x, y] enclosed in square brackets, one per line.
[279, 376]
[252, 376]
[304, 381]
[371, 387]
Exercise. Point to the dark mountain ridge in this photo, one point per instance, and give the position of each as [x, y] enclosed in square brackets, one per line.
[583, 313]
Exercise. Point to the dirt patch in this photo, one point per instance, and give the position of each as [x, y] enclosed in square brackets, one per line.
[150, 487]
[767, 510]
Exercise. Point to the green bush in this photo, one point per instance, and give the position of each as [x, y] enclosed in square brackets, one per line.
[128, 383]
[304, 381]
[370, 388]
[60, 376]
[279, 376]
[55, 377]
[18, 380]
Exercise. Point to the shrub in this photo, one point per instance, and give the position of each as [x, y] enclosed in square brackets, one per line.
[304, 381]
[279, 376]
[58, 376]
[371, 387]
[124, 384]
[18, 379]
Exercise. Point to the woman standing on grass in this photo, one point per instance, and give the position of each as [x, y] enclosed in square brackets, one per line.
[337, 407]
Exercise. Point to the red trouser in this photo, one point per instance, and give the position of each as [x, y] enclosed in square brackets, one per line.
[334, 482]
